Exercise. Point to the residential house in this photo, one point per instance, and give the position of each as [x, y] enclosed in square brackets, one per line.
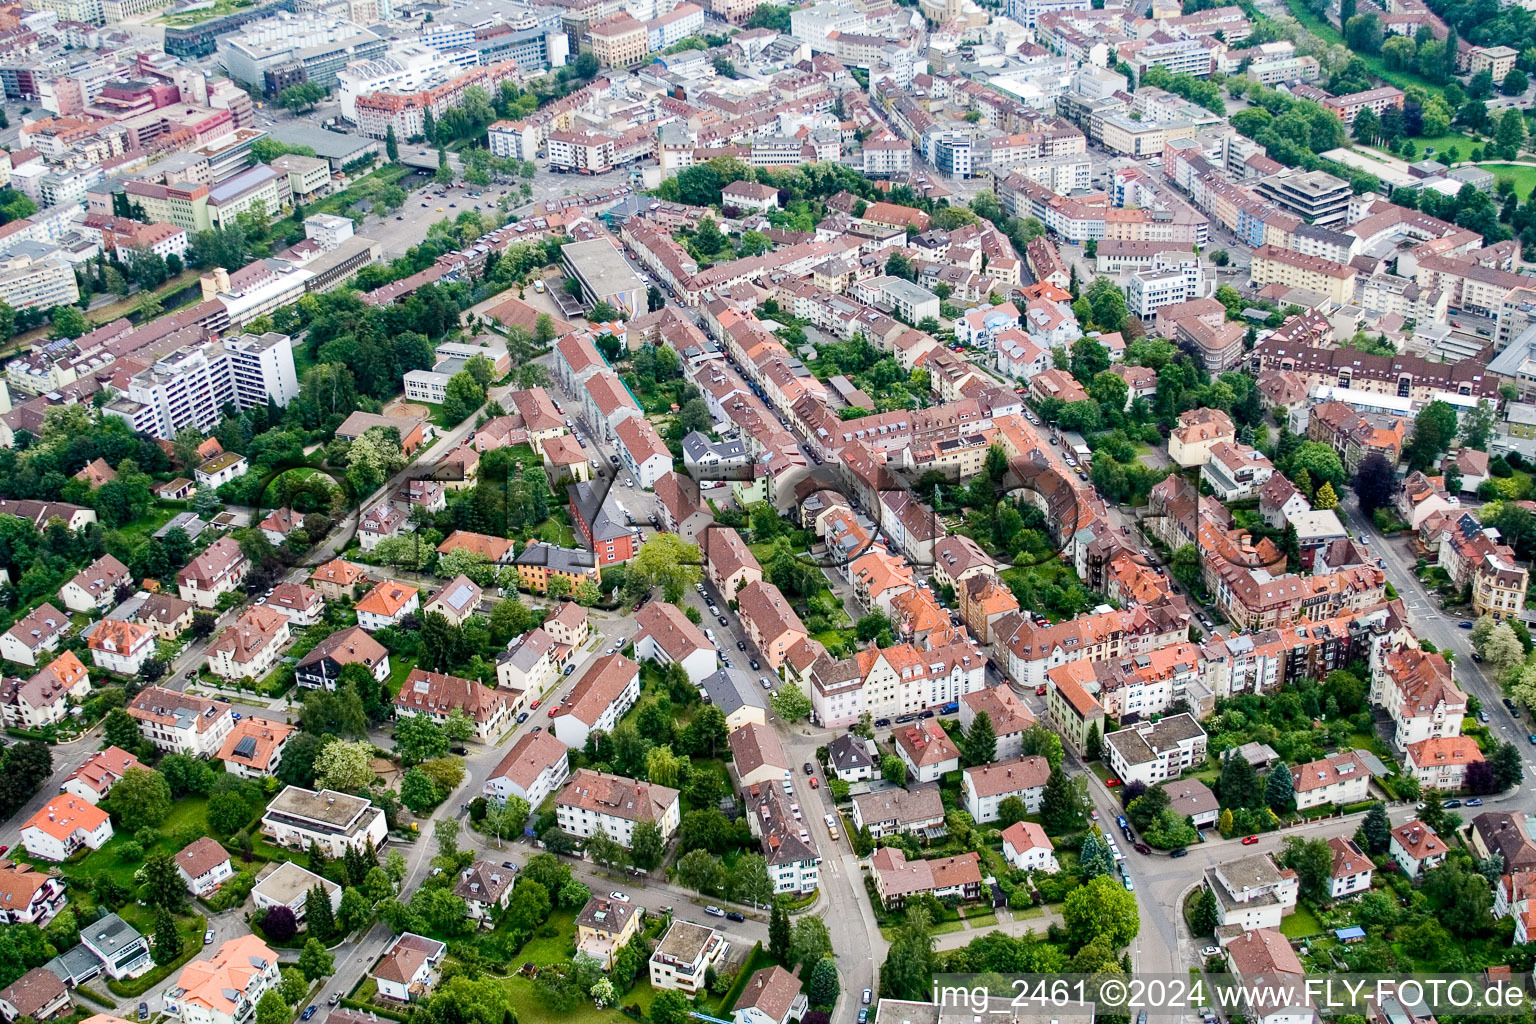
[248, 647]
[120, 646]
[1265, 954]
[1441, 762]
[333, 821]
[94, 588]
[849, 758]
[1252, 891]
[380, 523]
[338, 579]
[254, 748]
[289, 886]
[321, 667]
[772, 996]
[927, 750]
[1199, 430]
[733, 691]
[665, 635]
[168, 615]
[1422, 496]
[680, 508]
[1235, 471]
[1190, 798]
[728, 562]
[179, 723]
[405, 972]
[435, 695]
[604, 926]
[43, 700]
[1008, 715]
[63, 825]
[569, 625]
[537, 765]
[278, 524]
[29, 896]
[302, 605]
[608, 688]
[99, 772]
[387, 604]
[225, 988]
[595, 801]
[684, 955]
[529, 665]
[1027, 848]
[757, 755]
[1512, 835]
[986, 786]
[1152, 752]
[916, 811]
[1339, 779]
[455, 600]
[1416, 848]
[495, 550]
[212, 574]
[119, 946]
[898, 879]
[39, 631]
[37, 995]
[1351, 868]
[485, 888]
[539, 563]
[203, 865]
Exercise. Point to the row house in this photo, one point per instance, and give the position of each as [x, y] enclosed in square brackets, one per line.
[436, 696]
[593, 802]
[180, 723]
[1419, 695]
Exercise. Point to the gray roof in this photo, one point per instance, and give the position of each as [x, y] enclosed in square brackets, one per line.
[75, 965]
[110, 933]
[726, 687]
[572, 560]
[333, 146]
[190, 523]
[848, 752]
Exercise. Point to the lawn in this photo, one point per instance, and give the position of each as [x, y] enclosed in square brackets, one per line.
[188, 811]
[1300, 922]
[554, 949]
[1523, 177]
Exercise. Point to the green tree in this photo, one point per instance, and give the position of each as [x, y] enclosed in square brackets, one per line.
[1202, 916]
[356, 910]
[909, 963]
[790, 703]
[228, 813]
[893, 770]
[809, 941]
[1434, 428]
[1011, 810]
[779, 933]
[1101, 907]
[314, 960]
[344, 766]
[271, 1009]
[462, 396]
[391, 145]
[647, 845]
[68, 322]
[1239, 784]
[1062, 807]
[1280, 789]
[140, 799]
[1312, 860]
[167, 945]
[980, 741]
[162, 882]
[318, 916]
[823, 987]
[670, 1007]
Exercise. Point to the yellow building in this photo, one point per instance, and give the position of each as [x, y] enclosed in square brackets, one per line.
[1273, 265]
[1072, 709]
[620, 41]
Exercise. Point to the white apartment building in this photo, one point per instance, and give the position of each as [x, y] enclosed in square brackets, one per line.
[608, 688]
[334, 821]
[64, 825]
[179, 723]
[35, 274]
[683, 956]
[407, 67]
[536, 766]
[986, 786]
[1150, 752]
[1174, 277]
[225, 988]
[1340, 779]
[595, 802]
[1251, 892]
[191, 385]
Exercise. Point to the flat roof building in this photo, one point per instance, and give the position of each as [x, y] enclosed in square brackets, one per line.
[604, 275]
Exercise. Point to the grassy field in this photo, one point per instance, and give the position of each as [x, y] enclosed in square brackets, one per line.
[1523, 177]
[1325, 31]
[1300, 922]
[186, 812]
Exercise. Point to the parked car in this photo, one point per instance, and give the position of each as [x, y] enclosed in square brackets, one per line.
[309, 1011]
[1476, 801]
[1453, 802]
[621, 897]
[1180, 852]
[1141, 848]
[1111, 783]
[208, 937]
[509, 865]
[714, 911]
[1250, 840]
[809, 770]
[1211, 951]
[1464, 624]
[814, 783]
[335, 998]
[866, 997]
[735, 915]
[535, 705]
[143, 1011]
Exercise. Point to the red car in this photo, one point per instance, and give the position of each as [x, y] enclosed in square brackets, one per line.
[1039, 691]
[553, 710]
[534, 706]
[1111, 782]
[814, 783]
[1250, 840]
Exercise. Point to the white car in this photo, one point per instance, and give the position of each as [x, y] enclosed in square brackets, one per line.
[619, 896]
[1211, 951]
